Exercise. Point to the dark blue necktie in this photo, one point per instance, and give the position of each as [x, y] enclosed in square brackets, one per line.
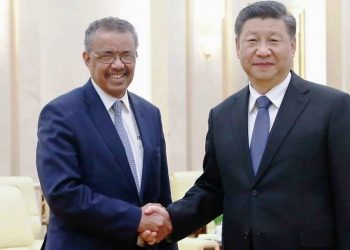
[260, 132]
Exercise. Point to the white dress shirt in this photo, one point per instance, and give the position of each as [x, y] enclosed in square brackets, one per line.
[275, 95]
[129, 123]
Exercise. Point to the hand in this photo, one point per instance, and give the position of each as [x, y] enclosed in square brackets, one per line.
[147, 236]
[155, 219]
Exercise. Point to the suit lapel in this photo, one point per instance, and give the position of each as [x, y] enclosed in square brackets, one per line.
[104, 125]
[144, 130]
[239, 122]
[293, 104]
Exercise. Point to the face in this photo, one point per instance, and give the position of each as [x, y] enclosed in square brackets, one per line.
[113, 78]
[266, 52]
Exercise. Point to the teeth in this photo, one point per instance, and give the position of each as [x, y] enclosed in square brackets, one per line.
[116, 76]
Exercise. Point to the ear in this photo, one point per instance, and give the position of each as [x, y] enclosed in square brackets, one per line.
[87, 58]
[237, 47]
[293, 45]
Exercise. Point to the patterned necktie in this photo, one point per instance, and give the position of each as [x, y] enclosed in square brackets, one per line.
[260, 132]
[118, 123]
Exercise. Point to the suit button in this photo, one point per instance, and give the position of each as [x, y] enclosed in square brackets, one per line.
[254, 192]
[246, 235]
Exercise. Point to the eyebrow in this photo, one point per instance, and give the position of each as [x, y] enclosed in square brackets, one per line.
[112, 52]
[257, 32]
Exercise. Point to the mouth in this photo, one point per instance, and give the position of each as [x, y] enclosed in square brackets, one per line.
[263, 64]
[117, 76]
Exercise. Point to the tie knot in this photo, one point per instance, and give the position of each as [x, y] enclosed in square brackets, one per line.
[263, 102]
[117, 106]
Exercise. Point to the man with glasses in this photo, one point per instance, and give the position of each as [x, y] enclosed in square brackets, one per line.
[101, 152]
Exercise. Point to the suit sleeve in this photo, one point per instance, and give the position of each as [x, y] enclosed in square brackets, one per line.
[60, 177]
[204, 201]
[339, 164]
[165, 193]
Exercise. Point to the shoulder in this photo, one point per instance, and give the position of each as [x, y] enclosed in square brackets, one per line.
[316, 90]
[67, 103]
[240, 98]
[72, 97]
[139, 101]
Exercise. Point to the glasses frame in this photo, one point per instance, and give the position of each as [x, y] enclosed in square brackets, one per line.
[115, 58]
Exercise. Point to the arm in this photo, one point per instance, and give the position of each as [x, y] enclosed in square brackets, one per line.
[61, 177]
[204, 201]
[165, 193]
[339, 165]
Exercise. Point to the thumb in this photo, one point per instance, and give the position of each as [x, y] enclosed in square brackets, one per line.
[153, 209]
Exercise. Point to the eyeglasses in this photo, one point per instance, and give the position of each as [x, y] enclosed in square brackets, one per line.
[110, 58]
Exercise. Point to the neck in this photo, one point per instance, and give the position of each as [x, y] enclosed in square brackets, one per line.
[262, 87]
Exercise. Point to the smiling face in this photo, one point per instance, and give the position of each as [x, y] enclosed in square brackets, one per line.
[266, 52]
[116, 77]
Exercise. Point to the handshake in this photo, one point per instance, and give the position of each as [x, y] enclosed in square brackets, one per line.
[155, 224]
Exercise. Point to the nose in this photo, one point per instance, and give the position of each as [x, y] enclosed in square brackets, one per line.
[263, 50]
[117, 63]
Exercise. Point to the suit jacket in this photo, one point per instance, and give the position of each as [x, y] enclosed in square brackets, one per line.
[85, 175]
[299, 198]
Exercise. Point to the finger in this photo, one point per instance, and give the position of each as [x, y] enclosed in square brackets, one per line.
[152, 208]
[152, 239]
[157, 209]
[145, 235]
[149, 237]
[162, 234]
[168, 225]
[165, 220]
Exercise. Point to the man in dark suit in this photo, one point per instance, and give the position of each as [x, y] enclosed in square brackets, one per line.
[291, 192]
[101, 152]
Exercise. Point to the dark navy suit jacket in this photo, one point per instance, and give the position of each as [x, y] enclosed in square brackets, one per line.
[85, 174]
[299, 198]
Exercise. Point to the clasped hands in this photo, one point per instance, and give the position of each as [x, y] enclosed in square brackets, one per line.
[155, 224]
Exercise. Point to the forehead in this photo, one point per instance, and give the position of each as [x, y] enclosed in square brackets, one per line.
[267, 26]
[113, 40]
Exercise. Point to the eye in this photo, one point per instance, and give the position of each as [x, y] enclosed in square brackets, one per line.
[106, 57]
[274, 40]
[251, 41]
[127, 57]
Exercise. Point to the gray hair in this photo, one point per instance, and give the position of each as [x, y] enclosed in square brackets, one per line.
[266, 9]
[109, 24]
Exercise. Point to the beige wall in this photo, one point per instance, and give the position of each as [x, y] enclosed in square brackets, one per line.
[5, 89]
[41, 58]
[169, 76]
[338, 44]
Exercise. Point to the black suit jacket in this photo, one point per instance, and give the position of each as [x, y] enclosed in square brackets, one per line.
[85, 175]
[299, 198]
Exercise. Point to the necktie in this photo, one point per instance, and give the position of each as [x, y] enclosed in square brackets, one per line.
[118, 123]
[260, 132]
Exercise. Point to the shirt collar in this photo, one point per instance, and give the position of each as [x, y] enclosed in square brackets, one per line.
[275, 95]
[108, 100]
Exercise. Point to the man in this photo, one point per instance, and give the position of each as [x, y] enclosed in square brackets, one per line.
[291, 193]
[101, 152]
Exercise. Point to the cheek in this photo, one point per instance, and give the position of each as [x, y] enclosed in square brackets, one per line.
[100, 71]
[245, 57]
[131, 70]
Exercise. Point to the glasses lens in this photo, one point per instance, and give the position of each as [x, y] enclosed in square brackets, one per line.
[110, 58]
[128, 58]
[107, 59]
